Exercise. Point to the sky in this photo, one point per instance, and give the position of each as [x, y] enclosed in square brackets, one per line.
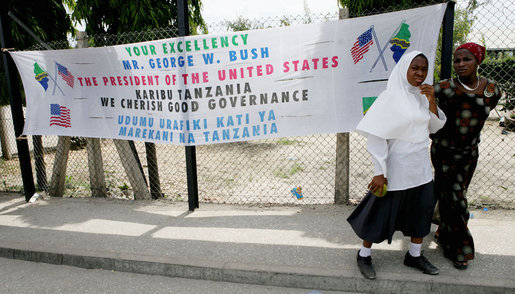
[220, 10]
[217, 11]
[495, 21]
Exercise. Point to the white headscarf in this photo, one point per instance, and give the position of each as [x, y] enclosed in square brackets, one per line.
[400, 112]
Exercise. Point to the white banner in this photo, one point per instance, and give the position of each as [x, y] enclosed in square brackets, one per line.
[288, 81]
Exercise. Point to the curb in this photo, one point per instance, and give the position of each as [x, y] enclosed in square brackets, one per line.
[281, 276]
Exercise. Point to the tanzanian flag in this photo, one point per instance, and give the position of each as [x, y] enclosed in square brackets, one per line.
[367, 102]
[400, 42]
[41, 76]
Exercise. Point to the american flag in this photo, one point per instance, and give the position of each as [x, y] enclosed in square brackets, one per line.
[361, 46]
[65, 74]
[59, 116]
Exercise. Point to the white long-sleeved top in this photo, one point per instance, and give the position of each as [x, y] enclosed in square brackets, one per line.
[404, 164]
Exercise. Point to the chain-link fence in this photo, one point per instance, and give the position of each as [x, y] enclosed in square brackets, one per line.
[265, 171]
[493, 25]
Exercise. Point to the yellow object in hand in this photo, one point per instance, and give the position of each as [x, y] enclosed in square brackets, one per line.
[377, 192]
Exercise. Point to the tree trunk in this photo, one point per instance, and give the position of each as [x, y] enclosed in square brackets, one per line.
[130, 162]
[96, 168]
[7, 139]
[341, 182]
[60, 163]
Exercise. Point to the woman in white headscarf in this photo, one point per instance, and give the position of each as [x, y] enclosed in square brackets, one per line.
[397, 127]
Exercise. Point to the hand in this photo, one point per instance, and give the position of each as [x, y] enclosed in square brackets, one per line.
[377, 183]
[428, 91]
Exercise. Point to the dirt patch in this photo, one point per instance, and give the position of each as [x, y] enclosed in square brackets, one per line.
[266, 171]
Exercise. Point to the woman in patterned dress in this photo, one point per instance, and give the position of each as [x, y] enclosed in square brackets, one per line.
[466, 101]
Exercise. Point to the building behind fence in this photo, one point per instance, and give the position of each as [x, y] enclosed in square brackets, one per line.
[265, 171]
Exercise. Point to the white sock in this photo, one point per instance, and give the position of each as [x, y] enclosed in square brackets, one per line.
[365, 252]
[414, 249]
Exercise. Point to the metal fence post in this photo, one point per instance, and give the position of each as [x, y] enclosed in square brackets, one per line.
[39, 158]
[191, 157]
[153, 171]
[39, 162]
[13, 90]
[341, 177]
[447, 42]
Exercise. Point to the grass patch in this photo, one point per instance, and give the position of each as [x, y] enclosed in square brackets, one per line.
[124, 187]
[287, 142]
[285, 174]
[280, 174]
[295, 169]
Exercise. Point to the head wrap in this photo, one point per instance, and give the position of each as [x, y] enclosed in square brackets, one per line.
[400, 112]
[477, 50]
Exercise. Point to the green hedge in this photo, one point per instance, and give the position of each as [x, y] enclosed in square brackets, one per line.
[501, 70]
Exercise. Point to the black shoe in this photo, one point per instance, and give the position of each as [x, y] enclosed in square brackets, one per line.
[421, 263]
[461, 265]
[365, 267]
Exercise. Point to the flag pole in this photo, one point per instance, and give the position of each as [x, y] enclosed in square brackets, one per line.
[54, 79]
[386, 45]
[378, 48]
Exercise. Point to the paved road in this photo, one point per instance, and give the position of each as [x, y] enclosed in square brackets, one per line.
[31, 277]
[309, 247]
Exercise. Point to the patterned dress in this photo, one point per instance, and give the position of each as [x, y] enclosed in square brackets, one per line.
[454, 154]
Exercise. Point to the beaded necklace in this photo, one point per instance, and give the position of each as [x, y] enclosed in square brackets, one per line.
[466, 87]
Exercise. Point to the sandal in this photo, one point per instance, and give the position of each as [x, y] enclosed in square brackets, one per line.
[461, 265]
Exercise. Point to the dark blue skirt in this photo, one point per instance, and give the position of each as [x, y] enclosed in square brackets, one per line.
[410, 211]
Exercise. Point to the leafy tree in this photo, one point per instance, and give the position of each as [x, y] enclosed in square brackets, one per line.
[500, 67]
[47, 19]
[240, 24]
[243, 24]
[119, 16]
[463, 21]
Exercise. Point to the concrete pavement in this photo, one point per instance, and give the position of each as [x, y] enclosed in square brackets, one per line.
[309, 247]
[20, 276]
